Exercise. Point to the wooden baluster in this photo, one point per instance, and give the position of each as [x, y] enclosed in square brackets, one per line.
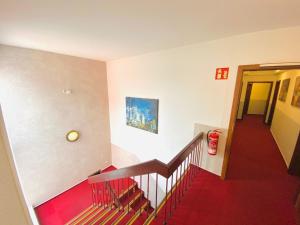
[148, 206]
[103, 200]
[111, 190]
[194, 161]
[156, 183]
[198, 155]
[114, 192]
[96, 195]
[176, 188]
[128, 183]
[109, 195]
[92, 187]
[171, 197]
[123, 189]
[98, 191]
[141, 186]
[94, 190]
[118, 182]
[104, 194]
[201, 151]
[133, 182]
[165, 220]
[193, 164]
[180, 184]
[195, 157]
[184, 177]
[119, 206]
[187, 172]
[190, 157]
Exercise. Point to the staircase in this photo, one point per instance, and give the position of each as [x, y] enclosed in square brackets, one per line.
[122, 196]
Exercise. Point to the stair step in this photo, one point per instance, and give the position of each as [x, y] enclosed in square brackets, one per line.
[96, 217]
[138, 215]
[132, 199]
[84, 216]
[128, 191]
[80, 214]
[127, 213]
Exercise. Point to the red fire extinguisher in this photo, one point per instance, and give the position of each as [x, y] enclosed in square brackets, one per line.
[212, 141]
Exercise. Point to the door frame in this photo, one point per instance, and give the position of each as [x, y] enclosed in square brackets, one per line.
[247, 99]
[274, 101]
[236, 100]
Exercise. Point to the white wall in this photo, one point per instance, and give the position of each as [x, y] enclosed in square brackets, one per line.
[286, 121]
[38, 115]
[183, 81]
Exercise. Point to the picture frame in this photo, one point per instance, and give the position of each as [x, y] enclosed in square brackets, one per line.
[142, 113]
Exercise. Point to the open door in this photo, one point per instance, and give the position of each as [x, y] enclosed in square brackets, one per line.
[247, 98]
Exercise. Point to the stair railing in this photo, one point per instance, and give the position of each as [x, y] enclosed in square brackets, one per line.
[179, 172]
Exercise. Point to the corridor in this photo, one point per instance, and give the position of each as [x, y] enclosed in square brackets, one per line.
[258, 190]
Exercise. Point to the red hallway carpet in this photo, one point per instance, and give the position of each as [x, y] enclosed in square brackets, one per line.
[258, 190]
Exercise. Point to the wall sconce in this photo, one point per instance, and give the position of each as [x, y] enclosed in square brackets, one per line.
[72, 136]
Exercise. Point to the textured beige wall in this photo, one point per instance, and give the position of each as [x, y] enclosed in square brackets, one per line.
[12, 210]
[38, 115]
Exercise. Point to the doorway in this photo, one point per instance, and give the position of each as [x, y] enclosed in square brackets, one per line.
[237, 112]
[257, 98]
[274, 101]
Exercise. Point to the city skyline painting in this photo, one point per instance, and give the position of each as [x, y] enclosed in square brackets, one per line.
[142, 113]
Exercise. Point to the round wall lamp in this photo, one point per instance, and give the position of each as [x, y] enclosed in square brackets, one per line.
[72, 136]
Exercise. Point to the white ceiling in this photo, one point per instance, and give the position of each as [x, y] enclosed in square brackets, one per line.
[111, 29]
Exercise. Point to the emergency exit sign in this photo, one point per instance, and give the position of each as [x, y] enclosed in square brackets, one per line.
[222, 73]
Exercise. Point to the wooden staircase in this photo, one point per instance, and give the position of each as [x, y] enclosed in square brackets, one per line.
[120, 197]
[133, 206]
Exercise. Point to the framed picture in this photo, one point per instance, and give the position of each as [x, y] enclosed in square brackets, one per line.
[296, 94]
[284, 90]
[142, 113]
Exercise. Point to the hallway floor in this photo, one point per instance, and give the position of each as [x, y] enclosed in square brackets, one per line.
[258, 190]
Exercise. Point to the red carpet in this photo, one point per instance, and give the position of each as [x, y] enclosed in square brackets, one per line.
[67, 205]
[258, 190]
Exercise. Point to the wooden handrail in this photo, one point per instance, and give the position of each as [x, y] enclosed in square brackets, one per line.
[152, 166]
